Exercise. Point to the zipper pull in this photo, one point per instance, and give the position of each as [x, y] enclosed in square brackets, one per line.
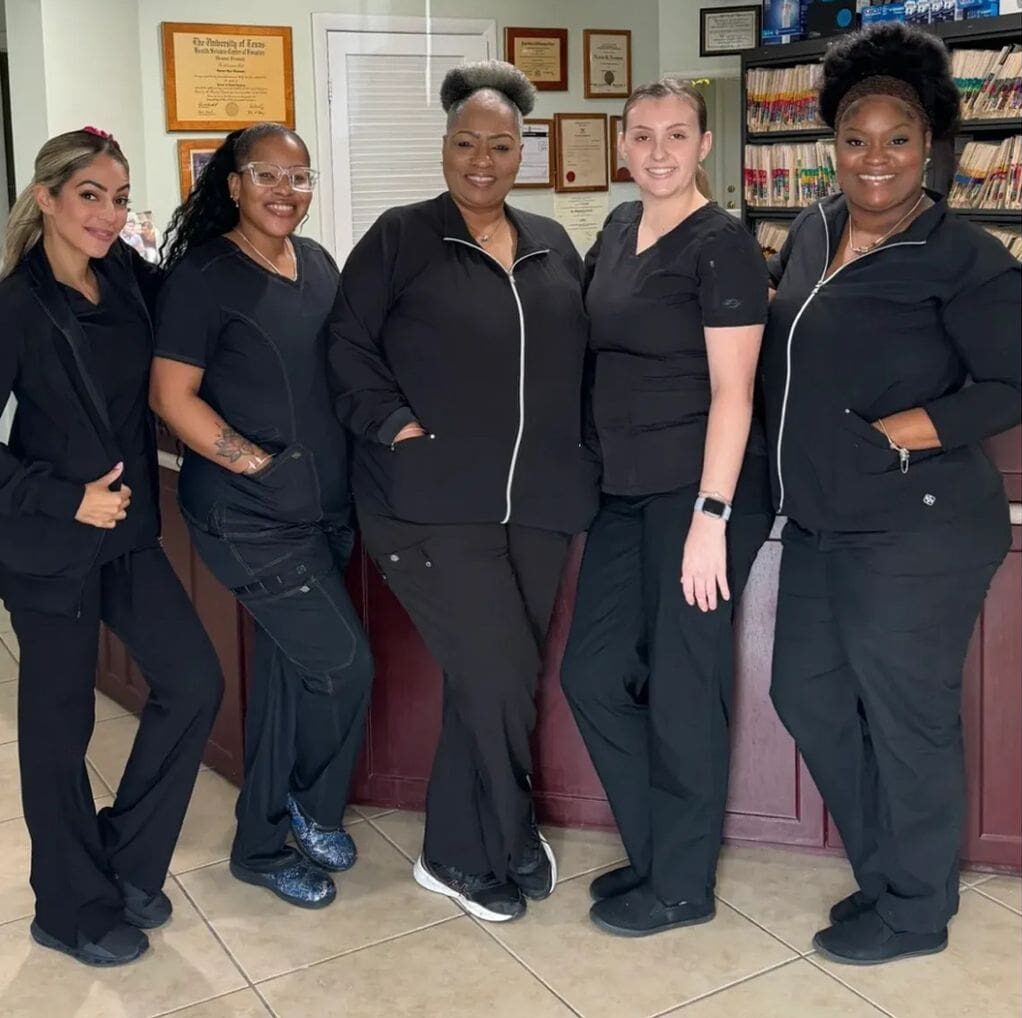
[903, 458]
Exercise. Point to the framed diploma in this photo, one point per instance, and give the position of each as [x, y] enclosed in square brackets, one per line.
[192, 156]
[538, 164]
[222, 77]
[607, 60]
[541, 54]
[724, 30]
[580, 140]
[618, 171]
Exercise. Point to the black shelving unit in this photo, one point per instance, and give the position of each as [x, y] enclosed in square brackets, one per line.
[978, 33]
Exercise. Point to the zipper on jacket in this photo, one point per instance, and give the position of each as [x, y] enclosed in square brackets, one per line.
[820, 283]
[510, 273]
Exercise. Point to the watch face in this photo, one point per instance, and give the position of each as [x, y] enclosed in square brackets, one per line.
[714, 506]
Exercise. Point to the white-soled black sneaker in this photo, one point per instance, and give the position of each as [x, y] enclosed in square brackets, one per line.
[536, 871]
[481, 895]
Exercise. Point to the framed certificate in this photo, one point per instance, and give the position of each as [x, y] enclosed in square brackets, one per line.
[222, 77]
[581, 151]
[607, 60]
[538, 163]
[724, 30]
[541, 54]
[192, 156]
[619, 173]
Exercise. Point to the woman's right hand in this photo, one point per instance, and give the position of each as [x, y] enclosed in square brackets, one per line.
[102, 507]
[413, 430]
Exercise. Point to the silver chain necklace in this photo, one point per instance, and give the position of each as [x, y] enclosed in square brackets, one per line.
[879, 240]
[290, 250]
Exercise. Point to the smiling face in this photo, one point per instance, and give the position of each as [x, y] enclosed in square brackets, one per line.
[881, 153]
[662, 145]
[482, 152]
[276, 210]
[90, 210]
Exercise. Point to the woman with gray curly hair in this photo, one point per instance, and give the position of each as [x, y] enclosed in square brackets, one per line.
[457, 352]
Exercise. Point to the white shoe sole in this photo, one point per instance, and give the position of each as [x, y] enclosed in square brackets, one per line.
[426, 879]
[553, 864]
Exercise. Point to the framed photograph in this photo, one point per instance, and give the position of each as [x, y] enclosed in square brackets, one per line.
[726, 30]
[607, 60]
[140, 233]
[581, 152]
[192, 156]
[618, 171]
[221, 77]
[541, 54]
[538, 162]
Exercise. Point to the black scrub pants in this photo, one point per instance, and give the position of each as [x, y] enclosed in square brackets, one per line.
[312, 673]
[872, 632]
[481, 597]
[75, 854]
[649, 681]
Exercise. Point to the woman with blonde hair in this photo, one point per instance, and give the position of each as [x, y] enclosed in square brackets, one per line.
[79, 545]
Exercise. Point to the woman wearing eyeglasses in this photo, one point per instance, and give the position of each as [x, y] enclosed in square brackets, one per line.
[240, 377]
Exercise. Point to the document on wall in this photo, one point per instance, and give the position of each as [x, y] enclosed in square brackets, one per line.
[582, 215]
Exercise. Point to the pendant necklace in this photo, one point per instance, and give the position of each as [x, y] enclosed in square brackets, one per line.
[259, 254]
[485, 238]
[879, 240]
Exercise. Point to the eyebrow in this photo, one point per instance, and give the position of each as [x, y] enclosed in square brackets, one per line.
[668, 128]
[97, 184]
[898, 126]
[479, 134]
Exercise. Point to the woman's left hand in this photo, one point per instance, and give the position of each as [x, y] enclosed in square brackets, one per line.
[704, 562]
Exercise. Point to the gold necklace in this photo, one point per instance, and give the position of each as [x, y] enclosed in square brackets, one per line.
[288, 246]
[485, 238]
[879, 240]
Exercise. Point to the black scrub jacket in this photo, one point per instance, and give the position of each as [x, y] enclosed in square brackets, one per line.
[429, 327]
[932, 318]
[651, 396]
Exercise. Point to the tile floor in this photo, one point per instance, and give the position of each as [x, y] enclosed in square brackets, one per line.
[386, 949]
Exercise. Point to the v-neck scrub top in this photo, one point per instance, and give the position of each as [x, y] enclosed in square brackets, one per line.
[261, 340]
[651, 395]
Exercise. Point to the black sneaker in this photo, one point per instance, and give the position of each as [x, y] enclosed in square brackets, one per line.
[614, 882]
[850, 908]
[483, 896]
[536, 873]
[640, 913]
[868, 940]
[143, 910]
[119, 946]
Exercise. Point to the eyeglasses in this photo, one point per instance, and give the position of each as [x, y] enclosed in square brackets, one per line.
[301, 178]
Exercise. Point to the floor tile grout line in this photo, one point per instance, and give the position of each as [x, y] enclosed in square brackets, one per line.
[760, 926]
[723, 989]
[492, 934]
[199, 1003]
[997, 901]
[16, 919]
[355, 950]
[390, 841]
[848, 986]
[269, 1007]
[216, 935]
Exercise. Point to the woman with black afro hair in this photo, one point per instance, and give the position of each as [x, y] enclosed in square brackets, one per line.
[458, 347]
[891, 353]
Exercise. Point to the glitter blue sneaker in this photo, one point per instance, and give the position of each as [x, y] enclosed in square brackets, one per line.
[328, 847]
[299, 883]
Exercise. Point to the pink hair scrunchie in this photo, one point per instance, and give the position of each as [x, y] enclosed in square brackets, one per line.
[96, 131]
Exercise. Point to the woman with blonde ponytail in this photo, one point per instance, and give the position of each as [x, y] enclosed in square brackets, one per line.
[79, 545]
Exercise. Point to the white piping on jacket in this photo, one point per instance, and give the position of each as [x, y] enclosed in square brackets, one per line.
[510, 273]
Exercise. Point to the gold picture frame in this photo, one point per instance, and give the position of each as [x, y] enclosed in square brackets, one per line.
[541, 54]
[192, 156]
[581, 143]
[607, 63]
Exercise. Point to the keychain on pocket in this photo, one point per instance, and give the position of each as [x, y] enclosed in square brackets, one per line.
[903, 453]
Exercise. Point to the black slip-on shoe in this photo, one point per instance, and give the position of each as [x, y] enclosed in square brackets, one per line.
[298, 883]
[119, 946]
[868, 940]
[850, 908]
[640, 913]
[481, 895]
[141, 909]
[614, 882]
[536, 873]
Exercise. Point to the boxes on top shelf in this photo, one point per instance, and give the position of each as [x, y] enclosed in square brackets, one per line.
[782, 21]
[966, 9]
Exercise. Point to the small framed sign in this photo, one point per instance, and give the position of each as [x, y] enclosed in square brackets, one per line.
[541, 54]
[619, 173]
[607, 61]
[581, 140]
[728, 30]
[538, 162]
[192, 156]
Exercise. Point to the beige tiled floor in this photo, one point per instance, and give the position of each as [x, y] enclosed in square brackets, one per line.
[387, 949]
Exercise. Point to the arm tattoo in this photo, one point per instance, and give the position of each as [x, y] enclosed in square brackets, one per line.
[232, 446]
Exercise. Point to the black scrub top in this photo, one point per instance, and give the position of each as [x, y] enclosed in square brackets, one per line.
[119, 352]
[261, 340]
[651, 394]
